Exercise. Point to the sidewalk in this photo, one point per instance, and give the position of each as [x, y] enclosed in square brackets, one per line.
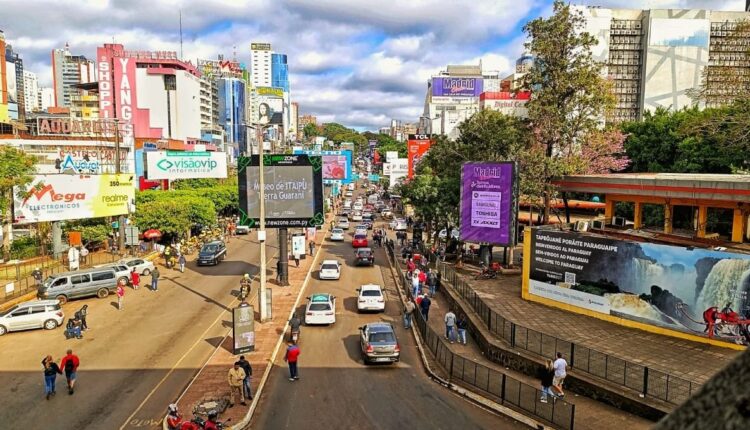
[692, 361]
[589, 414]
[211, 381]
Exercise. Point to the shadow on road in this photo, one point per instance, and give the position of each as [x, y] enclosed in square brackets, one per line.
[198, 293]
[351, 344]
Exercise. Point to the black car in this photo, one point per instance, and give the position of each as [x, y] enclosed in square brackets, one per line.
[212, 253]
[364, 257]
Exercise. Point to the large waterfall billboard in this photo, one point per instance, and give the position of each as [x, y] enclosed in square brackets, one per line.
[666, 286]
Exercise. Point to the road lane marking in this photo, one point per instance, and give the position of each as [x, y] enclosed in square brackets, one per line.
[197, 342]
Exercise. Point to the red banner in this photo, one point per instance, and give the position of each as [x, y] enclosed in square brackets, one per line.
[416, 146]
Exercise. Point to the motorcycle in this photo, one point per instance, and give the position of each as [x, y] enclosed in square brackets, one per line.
[486, 273]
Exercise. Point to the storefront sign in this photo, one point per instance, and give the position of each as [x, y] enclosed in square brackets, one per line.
[185, 165]
[55, 126]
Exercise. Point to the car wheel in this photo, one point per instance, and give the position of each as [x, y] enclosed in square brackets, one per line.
[146, 272]
[123, 280]
[3, 330]
[216, 261]
[62, 299]
[102, 293]
[50, 325]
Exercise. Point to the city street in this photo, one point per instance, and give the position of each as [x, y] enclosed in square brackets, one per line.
[134, 362]
[336, 390]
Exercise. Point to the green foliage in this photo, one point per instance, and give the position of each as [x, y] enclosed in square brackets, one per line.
[170, 216]
[93, 231]
[16, 169]
[386, 143]
[24, 247]
[189, 184]
[311, 130]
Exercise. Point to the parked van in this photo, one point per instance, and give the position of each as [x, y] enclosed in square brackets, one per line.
[83, 283]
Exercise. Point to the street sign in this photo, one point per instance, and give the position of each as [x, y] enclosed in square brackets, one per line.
[131, 235]
[243, 328]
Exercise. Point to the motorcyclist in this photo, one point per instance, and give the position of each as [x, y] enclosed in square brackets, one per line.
[245, 285]
[294, 325]
[211, 421]
[174, 419]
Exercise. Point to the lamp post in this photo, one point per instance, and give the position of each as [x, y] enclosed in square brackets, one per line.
[118, 170]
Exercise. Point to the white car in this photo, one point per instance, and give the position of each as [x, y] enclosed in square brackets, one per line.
[400, 225]
[330, 269]
[337, 234]
[122, 272]
[360, 229]
[357, 216]
[371, 298]
[321, 309]
[343, 224]
[347, 204]
[349, 194]
[386, 213]
[242, 229]
[144, 267]
[45, 314]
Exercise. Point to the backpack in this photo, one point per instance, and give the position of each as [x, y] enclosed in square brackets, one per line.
[69, 365]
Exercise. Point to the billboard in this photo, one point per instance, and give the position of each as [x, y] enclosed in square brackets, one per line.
[260, 46]
[270, 91]
[457, 87]
[270, 110]
[65, 197]
[398, 166]
[58, 126]
[391, 155]
[293, 190]
[508, 103]
[416, 147]
[185, 164]
[337, 165]
[661, 285]
[488, 195]
[243, 329]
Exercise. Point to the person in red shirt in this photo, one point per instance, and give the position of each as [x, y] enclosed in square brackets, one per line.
[422, 279]
[174, 419]
[135, 279]
[70, 365]
[291, 356]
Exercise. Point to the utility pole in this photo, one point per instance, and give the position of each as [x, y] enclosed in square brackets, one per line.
[262, 236]
[121, 218]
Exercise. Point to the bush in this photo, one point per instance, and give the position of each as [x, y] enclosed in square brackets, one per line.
[24, 247]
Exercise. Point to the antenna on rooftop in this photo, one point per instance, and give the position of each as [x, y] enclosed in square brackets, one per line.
[180, 33]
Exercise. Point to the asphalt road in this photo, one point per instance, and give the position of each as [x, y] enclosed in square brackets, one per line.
[134, 362]
[337, 391]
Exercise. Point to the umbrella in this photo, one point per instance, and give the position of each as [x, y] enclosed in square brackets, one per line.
[151, 234]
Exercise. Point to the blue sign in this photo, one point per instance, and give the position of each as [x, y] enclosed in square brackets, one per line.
[337, 165]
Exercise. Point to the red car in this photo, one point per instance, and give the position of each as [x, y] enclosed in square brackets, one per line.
[359, 241]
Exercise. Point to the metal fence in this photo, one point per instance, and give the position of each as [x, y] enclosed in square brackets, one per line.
[496, 385]
[644, 380]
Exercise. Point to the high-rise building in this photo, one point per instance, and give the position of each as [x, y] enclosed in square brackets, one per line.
[4, 118]
[30, 90]
[260, 65]
[280, 79]
[45, 98]
[294, 121]
[14, 78]
[220, 103]
[69, 70]
[84, 104]
[452, 97]
[232, 111]
[656, 57]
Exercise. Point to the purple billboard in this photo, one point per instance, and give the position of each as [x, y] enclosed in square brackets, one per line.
[457, 87]
[488, 203]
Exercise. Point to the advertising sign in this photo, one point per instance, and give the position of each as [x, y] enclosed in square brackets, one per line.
[337, 165]
[662, 285]
[416, 147]
[270, 110]
[260, 46]
[298, 245]
[57, 126]
[457, 87]
[508, 103]
[185, 164]
[488, 195]
[293, 190]
[243, 329]
[270, 91]
[65, 197]
[391, 155]
[398, 166]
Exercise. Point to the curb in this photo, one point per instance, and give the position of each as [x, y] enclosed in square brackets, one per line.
[471, 396]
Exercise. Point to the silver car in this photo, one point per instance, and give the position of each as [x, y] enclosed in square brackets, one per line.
[378, 343]
[45, 314]
[142, 266]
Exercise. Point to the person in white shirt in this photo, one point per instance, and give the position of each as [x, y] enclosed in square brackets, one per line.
[560, 366]
[450, 326]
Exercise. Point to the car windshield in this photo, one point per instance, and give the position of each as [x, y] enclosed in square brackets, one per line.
[384, 337]
[363, 254]
[329, 267]
[2, 314]
[337, 231]
[360, 237]
[209, 248]
[320, 307]
[371, 293]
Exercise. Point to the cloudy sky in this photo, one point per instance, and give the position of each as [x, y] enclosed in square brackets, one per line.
[357, 62]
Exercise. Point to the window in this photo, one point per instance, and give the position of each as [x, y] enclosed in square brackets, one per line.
[371, 293]
[382, 337]
[102, 276]
[38, 309]
[329, 267]
[60, 282]
[80, 279]
[20, 313]
[320, 307]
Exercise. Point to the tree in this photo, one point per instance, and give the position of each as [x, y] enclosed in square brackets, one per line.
[570, 97]
[16, 170]
[311, 130]
[170, 216]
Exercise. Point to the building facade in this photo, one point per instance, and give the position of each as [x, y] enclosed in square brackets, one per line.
[68, 71]
[30, 90]
[4, 118]
[452, 97]
[45, 98]
[232, 114]
[294, 121]
[303, 121]
[260, 64]
[657, 58]
[15, 85]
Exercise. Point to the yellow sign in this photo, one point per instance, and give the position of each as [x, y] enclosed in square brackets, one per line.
[260, 46]
[270, 91]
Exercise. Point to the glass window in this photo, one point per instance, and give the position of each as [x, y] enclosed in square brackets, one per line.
[329, 267]
[60, 282]
[371, 293]
[102, 276]
[382, 337]
[80, 279]
[320, 307]
[20, 313]
[38, 309]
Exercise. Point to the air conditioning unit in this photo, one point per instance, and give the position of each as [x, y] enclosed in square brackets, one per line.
[597, 224]
[618, 221]
[581, 226]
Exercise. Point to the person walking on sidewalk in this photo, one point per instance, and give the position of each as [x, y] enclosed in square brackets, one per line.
[246, 383]
[546, 375]
[236, 378]
[279, 266]
[450, 326]
[408, 311]
[312, 248]
[291, 357]
[438, 280]
[296, 260]
[120, 295]
[182, 262]
[560, 366]
[135, 278]
[424, 306]
[431, 282]
[51, 370]
[70, 365]
[462, 324]
[415, 285]
[155, 279]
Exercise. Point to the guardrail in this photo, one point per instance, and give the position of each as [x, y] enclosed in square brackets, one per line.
[496, 385]
[642, 379]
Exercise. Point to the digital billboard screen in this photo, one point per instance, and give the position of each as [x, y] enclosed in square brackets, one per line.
[488, 194]
[334, 166]
[293, 190]
[457, 87]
